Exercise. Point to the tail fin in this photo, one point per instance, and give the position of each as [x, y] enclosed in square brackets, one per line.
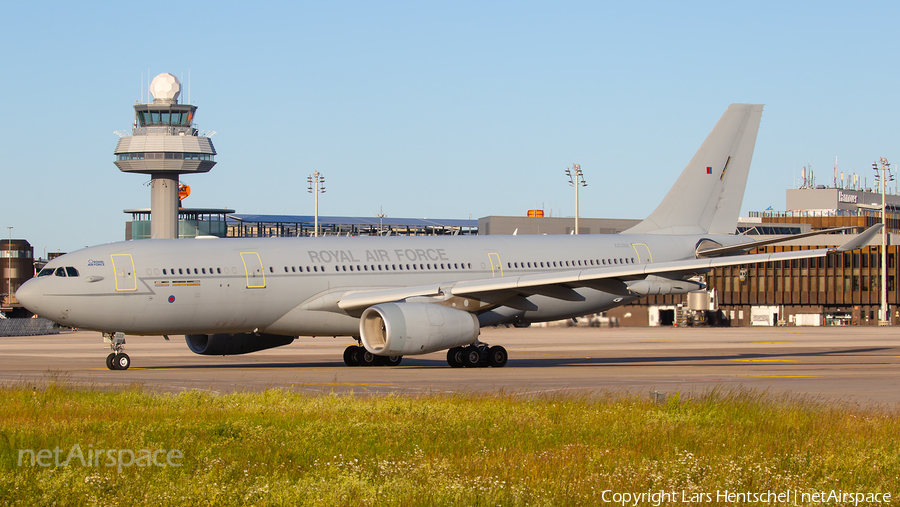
[707, 196]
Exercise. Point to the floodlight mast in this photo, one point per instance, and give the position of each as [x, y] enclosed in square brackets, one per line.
[316, 186]
[9, 293]
[885, 176]
[576, 179]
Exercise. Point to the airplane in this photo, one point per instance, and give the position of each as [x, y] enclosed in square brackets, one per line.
[400, 296]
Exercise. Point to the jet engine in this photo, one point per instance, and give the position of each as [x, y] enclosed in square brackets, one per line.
[230, 344]
[397, 329]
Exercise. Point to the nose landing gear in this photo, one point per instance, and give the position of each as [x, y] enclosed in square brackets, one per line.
[117, 360]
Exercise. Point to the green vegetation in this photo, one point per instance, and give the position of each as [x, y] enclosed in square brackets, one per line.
[283, 448]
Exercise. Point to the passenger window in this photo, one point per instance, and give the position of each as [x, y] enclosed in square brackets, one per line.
[219, 270]
[203, 270]
[271, 269]
[71, 271]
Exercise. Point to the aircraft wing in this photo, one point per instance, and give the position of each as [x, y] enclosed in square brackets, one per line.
[558, 284]
[585, 276]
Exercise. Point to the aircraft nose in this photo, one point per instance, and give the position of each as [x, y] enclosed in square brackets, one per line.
[29, 295]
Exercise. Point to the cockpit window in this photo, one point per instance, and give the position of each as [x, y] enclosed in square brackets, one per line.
[60, 271]
[71, 271]
[46, 272]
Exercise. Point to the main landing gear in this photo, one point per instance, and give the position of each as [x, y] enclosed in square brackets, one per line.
[477, 355]
[117, 360]
[358, 356]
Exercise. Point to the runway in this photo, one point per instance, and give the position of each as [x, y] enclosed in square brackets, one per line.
[860, 364]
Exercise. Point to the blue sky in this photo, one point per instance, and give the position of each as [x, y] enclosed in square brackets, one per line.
[434, 109]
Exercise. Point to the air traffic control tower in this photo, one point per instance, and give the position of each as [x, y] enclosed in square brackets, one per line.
[164, 144]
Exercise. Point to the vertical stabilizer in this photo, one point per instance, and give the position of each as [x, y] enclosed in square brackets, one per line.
[707, 196]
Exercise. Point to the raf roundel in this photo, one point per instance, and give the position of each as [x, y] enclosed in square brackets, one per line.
[171, 299]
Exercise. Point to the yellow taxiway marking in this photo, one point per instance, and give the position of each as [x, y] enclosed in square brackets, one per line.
[773, 343]
[342, 384]
[783, 376]
[766, 360]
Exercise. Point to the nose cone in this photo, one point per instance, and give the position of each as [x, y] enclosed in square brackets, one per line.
[29, 295]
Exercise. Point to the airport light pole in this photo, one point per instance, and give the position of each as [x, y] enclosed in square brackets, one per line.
[884, 176]
[380, 216]
[576, 179]
[9, 269]
[316, 186]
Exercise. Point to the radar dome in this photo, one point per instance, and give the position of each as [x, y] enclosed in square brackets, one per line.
[165, 87]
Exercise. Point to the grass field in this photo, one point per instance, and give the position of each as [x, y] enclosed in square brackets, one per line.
[284, 448]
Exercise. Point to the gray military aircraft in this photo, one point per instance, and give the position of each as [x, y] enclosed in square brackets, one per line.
[408, 295]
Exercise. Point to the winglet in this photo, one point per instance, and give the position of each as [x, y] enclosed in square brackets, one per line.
[860, 240]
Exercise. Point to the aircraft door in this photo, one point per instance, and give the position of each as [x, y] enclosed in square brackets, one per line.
[643, 253]
[496, 266]
[253, 269]
[123, 265]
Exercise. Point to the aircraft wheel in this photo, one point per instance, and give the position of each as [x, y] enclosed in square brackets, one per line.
[497, 356]
[471, 357]
[122, 361]
[454, 357]
[391, 360]
[365, 358]
[110, 361]
[350, 355]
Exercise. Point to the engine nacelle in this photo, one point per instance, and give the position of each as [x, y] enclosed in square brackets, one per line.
[407, 329]
[230, 344]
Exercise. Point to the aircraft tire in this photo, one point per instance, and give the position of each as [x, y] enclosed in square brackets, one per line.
[454, 357]
[471, 357]
[497, 356]
[110, 361]
[350, 355]
[366, 358]
[122, 361]
[390, 360]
